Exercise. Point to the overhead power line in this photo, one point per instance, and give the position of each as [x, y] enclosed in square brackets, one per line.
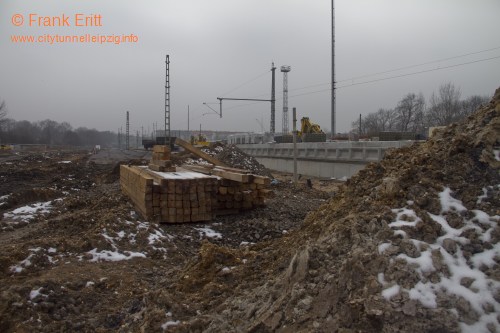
[396, 70]
[399, 76]
[245, 83]
[377, 80]
[420, 72]
[421, 64]
[369, 75]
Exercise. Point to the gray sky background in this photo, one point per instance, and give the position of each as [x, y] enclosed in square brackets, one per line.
[216, 45]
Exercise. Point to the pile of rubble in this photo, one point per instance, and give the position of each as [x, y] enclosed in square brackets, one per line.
[236, 158]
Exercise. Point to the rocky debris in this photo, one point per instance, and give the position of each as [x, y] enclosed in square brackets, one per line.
[236, 158]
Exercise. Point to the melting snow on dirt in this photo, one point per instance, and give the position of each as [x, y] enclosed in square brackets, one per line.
[461, 277]
[496, 152]
[106, 255]
[210, 233]
[27, 213]
[3, 199]
[26, 262]
[115, 255]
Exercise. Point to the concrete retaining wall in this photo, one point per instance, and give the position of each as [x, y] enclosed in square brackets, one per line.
[321, 159]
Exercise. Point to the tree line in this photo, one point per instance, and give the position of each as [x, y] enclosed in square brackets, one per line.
[50, 132]
[413, 114]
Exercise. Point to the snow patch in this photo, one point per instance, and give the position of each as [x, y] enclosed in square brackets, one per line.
[466, 279]
[36, 292]
[448, 203]
[390, 292]
[28, 213]
[383, 247]
[210, 233]
[107, 255]
[405, 217]
[24, 263]
[169, 323]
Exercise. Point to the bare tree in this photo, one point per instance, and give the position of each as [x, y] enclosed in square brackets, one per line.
[355, 128]
[380, 121]
[471, 104]
[373, 123]
[445, 106]
[409, 111]
[3, 112]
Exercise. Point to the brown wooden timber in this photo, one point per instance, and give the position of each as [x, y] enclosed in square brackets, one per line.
[186, 145]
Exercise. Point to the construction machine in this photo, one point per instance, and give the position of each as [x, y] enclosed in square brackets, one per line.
[199, 140]
[310, 132]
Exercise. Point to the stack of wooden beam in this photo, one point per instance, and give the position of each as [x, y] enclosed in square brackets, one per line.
[170, 197]
[238, 189]
[138, 186]
[193, 193]
[160, 160]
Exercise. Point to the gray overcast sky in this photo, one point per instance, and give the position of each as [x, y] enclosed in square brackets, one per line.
[216, 45]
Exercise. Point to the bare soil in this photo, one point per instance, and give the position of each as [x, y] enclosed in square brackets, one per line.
[58, 286]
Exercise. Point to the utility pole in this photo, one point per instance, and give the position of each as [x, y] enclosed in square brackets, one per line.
[295, 178]
[333, 73]
[188, 119]
[167, 101]
[137, 139]
[127, 135]
[119, 140]
[273, 99]
[360, 125]
[285, 70]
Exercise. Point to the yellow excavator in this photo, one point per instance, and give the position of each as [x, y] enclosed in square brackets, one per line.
[308, 127]
[199, 140]
[310, 132]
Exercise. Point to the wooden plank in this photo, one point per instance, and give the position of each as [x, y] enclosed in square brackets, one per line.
[162, 163]
[238, 177]
[266, 193]
[198, 168]
[157, 168]
[186, 145]
[161, 149]
[261, 180]
[234, 169]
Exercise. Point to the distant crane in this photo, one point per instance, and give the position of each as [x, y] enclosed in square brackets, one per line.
[261, 123]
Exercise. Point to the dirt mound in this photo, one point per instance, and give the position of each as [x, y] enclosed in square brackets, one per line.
[409, 244]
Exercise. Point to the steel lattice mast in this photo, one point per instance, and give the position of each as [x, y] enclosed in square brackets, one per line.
[127, 146]
[285, 70]
[167, 101]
